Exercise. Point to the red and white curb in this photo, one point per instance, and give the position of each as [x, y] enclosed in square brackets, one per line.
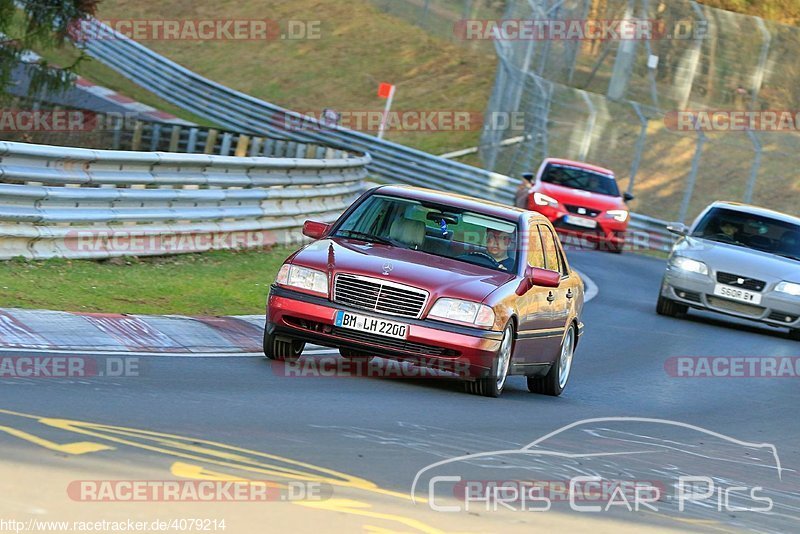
[103, 332]
[143, 110]
[143, 335]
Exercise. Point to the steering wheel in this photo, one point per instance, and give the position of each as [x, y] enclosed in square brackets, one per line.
[483, 255]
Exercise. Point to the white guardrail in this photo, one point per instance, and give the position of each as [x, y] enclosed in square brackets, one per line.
[79, 203]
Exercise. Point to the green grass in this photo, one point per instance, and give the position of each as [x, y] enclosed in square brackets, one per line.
[359, 47]
[211, 283]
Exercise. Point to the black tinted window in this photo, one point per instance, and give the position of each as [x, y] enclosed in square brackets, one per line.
[751, 231]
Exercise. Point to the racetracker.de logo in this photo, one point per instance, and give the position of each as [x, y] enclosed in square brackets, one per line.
[409, 120]
[37, 120]
[335, 366]
[197, 491]
[733, 366]
[733, 121]
[194, 30]
[632, 29]
[67, 367]
[132, 242]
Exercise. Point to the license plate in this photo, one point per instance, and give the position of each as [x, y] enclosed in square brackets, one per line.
[735, 293]
[373, 325]
[580, 221]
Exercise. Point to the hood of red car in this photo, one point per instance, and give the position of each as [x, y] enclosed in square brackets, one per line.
[578, 197]
[440, 276]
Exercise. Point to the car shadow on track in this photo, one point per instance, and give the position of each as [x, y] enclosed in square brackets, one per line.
[741, 325]
[388, 371]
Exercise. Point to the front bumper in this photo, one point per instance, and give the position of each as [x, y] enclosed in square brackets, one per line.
[697, 291]
[608, 233]
[467, 351]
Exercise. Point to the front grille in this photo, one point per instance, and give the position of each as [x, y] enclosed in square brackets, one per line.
[782, 317]
[379, 295]
[391, 343]
[589, 212]
[733, 280]
[736, 307]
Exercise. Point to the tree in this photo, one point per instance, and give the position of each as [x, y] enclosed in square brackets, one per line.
[39, 24]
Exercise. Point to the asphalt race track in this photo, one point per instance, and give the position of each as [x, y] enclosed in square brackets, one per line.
[383, 430]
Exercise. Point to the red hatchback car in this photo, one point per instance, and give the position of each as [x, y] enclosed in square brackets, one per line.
[442, 280]
[581, 200]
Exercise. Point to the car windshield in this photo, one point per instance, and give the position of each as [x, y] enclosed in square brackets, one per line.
[751, 231]
[577, 178]
[435, 229]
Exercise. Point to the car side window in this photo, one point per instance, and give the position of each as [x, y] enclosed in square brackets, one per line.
[535, 249]
[551, 256]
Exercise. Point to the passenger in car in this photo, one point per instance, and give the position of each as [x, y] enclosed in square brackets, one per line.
[498, 244]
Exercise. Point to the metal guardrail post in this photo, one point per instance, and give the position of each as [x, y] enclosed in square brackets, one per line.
[640, 141]
[692, 179]
[155, 139]
[751, 182]
[241, 146]
[211, 141]
[191, 143]
[136, 142]
[758, 78]
[225, 147]
[174, 138]
[589, 128]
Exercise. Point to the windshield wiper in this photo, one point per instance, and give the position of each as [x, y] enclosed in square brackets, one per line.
[364, 236]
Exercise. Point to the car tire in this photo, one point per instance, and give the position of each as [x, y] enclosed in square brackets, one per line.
[670, 308]
[556, 379]
[493, 385]
[355, 355]
[282, 349]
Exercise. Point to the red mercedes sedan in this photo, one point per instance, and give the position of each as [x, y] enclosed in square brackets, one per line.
[440, 280]
[582, 201]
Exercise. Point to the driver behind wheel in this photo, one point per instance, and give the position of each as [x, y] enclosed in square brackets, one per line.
[498, 244]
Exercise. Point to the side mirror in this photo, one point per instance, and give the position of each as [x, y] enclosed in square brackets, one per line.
[315, 229]
[627, 197]
[528, 176]
[679, 229]
[535, 276]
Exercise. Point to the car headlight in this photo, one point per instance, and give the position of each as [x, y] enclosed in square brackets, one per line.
[463, 311]
[789, 287]
[540, 199]
[618, 215]
[303, 278]
[688, 264]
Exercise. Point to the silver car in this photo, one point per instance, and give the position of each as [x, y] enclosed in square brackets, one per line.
[738, 260]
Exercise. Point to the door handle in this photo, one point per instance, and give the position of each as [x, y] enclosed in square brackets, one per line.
[551, 297]
[569, 294]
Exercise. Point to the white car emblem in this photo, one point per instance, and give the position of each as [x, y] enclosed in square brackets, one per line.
[740, 281]
[582, 211]
[387, 268]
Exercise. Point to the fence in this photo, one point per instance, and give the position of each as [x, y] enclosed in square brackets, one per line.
[613, 103]
[724, 61]
[78, 203]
